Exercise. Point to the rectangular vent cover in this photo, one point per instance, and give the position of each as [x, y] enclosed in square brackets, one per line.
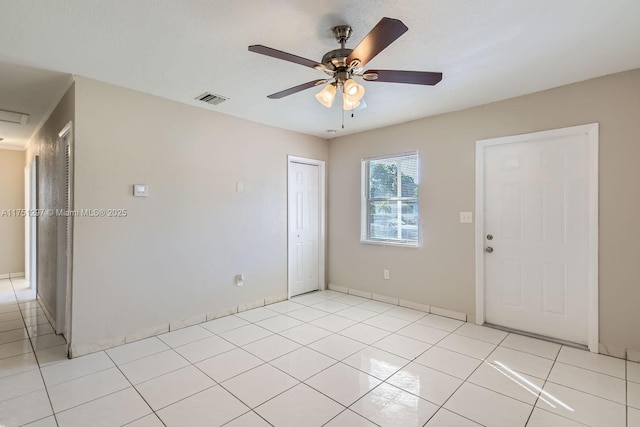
[211, 98]
[13, 117]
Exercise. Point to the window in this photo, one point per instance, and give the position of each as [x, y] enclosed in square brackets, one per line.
[390, 200]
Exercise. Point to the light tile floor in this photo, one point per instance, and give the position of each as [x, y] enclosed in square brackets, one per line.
[322, 359]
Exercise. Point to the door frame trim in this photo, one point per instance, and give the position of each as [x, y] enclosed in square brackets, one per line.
[31, 224]
[591, 130]
[65, 287]
[322, 218]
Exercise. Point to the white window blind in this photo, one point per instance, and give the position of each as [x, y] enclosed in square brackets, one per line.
[390, 200]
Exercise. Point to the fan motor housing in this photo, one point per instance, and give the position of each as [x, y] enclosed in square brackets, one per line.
[336, 58]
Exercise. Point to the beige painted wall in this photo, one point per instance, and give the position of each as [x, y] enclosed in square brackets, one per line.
[442, 271]
[177, 252]
[45, 145]
[11, 226]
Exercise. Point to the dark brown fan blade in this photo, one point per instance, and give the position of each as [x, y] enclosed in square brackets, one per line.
[296, 89]
[410, 77]
[258, 48]
[382, 35]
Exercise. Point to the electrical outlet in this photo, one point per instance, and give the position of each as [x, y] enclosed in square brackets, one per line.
[385, 274]
[466, 217]
[239, 279]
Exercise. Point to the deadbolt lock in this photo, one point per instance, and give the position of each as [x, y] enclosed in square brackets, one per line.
[489, 236]
[489, 249]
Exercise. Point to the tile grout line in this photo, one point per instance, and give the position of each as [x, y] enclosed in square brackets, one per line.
[303, 382]
[275, 367]
[134, 387]
[245, 413]
[46, 388]
[220, 383]
[409, 361]
[535, 404]
[592, 370]
[331, 333]
[345, 410]
[588, 393]
[91, 400]
[44, 384]
[555, 360]
[547, 380]
[467, 379]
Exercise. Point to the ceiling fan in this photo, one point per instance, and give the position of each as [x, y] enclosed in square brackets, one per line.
[343, 64]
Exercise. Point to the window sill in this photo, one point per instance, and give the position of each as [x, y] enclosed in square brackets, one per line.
[391, 243]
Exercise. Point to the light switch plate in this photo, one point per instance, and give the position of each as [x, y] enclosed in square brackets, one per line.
[466, 217]
[140, 190]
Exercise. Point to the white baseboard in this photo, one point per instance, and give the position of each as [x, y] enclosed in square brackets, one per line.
[384, 298]
[277, 298]
[251, 305]
[402, 303]
[222, 313]
[633, 355]
[449, 313]
[358, 293]
[146, 333]
[183, 323]
[414, 305]
[628, 354]
[83, 349]
[338, 288]
[5, 276]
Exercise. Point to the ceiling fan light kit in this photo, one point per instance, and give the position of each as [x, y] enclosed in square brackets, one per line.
[343, 64]
[326, 95]
[349, 105]
[353, 92]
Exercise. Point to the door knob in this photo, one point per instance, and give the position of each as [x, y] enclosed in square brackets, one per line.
[488, 249]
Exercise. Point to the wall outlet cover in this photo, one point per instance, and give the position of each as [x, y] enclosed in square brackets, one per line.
[140, 190]
[466, 217]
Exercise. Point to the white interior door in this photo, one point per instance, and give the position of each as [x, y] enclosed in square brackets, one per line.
[537, 235]
[304, 228]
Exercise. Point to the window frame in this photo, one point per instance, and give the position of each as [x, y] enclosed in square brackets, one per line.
[366, 200]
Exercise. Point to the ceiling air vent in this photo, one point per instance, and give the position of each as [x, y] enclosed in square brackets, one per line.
[211, 98]
[13, 117]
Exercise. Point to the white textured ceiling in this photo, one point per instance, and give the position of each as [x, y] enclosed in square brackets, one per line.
[31, 91]
[488, 50]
